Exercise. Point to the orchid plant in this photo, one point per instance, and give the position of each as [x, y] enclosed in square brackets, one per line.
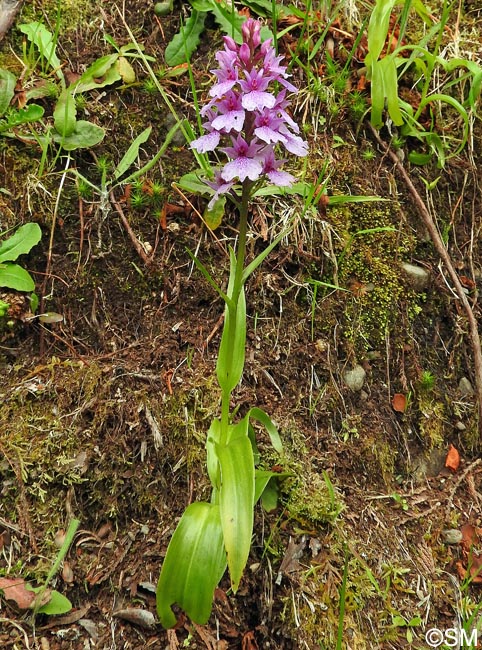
[246, 119]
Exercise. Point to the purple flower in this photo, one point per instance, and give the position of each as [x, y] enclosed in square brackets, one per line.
[231, 113]
[271, 169]
[220, 186]
[254, 97]
[244, 163]
[253, 115]
[267, 127]
[207, 142]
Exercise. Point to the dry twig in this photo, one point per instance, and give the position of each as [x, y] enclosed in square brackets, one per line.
[442, 251]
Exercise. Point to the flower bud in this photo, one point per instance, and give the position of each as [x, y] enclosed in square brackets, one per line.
[244, 53]
[230, 43]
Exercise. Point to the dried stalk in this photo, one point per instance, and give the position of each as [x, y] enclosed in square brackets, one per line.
[442, 251]
[147, 259]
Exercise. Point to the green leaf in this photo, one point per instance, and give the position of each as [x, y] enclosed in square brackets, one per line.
[260, 258]
[212, 462]
[65, 114]
[34, 302]
[186, 40]
[264, 7]
[385, 86]
[419, 158]
[201, 5]
[214, 216]
[337, 199]
[451, 101]
[210, 280]
[230, 364]
[299, 187]
[236, 499]
[21, 242]
[7, 89]
[126, 71]
[260, 416]
[378, 29]
[58, 603]
[102, 72]
[194, 564]
[85, 136]
[270, 496]
[15, 277]
[193, 182]
[30, 113]
[132, 152]
[40, 36]
[230, 23]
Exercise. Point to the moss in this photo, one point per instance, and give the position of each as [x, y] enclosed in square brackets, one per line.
[314, 500]
[369, 267]
[75, 447]
[432, 421]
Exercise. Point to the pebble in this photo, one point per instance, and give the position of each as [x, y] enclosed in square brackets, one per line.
[452, 536]
[465, 387]
[418, 276]
[355, 378]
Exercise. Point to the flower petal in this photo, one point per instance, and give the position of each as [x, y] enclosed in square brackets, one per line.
[207, 142]
[269, 135]
[282, 179]
[242, 168]
[257, 100]
[232, 120]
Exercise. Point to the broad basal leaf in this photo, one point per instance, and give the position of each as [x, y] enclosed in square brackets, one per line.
[57, 603]
[230, 23]
[193, 566]
[214, 216]
[186, 41]
[38, 34]
[21, 242]
[7, 89]
[125, 70]
[236, 501]
[86, 135]
[15, 277]
[103, 72]
[192, 182]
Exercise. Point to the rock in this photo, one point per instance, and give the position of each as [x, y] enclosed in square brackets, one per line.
[465, 387]
[452, 536]
[355, 378]
[418, 276]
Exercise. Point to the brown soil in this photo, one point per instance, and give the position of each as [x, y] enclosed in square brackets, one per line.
[103, 415]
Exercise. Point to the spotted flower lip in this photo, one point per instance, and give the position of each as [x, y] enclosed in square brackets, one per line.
[247, 110]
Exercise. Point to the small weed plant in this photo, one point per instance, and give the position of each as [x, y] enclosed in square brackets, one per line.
[247, 115]
[21, 117]
[425, 61]
[13, 276]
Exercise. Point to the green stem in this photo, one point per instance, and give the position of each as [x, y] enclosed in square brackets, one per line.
[237, 288]
[243, 229]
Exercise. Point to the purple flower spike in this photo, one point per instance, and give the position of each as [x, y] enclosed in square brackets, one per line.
[245, 109]
[251, 31]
